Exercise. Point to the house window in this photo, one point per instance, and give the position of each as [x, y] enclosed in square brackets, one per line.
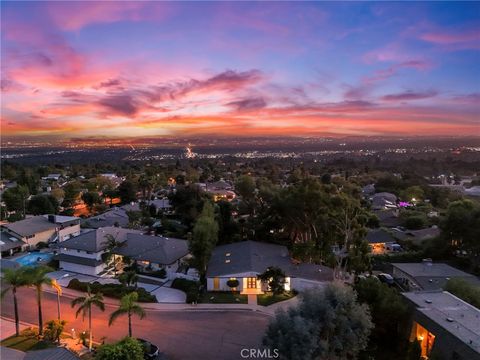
[425, 337]
[216, 283]
[251, 283]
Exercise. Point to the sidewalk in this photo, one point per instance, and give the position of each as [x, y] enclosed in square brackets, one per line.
[266, 310]
[7, 327]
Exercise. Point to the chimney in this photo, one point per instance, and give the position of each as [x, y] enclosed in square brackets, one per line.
[51, 218]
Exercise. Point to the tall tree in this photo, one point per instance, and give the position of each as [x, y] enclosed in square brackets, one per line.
[328, 323]
[37, 277]
[14, 279]
[127, 192]
[205, 237]
[85, 304]
[42, 204]
[128, 306]
[390, 314]
[16, 199]
[461, 228]
[91, 198]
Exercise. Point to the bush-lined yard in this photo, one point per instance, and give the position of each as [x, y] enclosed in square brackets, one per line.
[116, 291]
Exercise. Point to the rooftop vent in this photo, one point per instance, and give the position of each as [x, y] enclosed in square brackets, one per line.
[428, 301]
[449, 319]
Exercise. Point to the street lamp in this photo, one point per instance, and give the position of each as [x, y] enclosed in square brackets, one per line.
[57, 287]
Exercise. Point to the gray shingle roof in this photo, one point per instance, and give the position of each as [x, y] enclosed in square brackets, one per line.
[30, 226]
[378, 236]
[155, 249]
[95, 240]
[58, 353]
[256, 257]
[109, 218]
[11, 354]
[37, 224]
[8, 242]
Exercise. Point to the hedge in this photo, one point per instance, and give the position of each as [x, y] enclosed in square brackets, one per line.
[116, 291]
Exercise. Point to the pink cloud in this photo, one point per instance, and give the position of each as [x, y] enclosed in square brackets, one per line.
[445, 37]
[72, 16]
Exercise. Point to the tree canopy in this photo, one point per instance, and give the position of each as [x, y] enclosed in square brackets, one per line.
[328, 323]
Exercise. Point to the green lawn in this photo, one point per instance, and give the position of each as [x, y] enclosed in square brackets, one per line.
[215, 297]
[268, 298]
[25, 343]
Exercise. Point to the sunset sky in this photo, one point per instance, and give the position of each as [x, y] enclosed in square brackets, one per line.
[127, 69]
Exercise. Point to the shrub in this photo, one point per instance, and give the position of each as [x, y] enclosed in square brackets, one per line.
[233, 283]
[464, 290]
[116, 291]
[53, 330]
[189, 287]
[126, 349]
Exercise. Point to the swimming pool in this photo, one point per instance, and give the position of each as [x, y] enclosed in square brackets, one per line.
[34, 259]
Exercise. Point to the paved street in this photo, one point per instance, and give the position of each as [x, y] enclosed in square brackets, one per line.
[179, 334]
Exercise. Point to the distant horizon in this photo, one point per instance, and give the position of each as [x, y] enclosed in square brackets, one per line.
[126, 70]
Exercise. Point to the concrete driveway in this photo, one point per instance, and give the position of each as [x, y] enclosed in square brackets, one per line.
[168, 295]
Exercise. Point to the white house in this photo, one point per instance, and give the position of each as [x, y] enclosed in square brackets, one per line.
[83, 254]
[244, 261]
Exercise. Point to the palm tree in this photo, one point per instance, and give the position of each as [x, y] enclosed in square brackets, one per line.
[85, 306]
[37, 277]
[129, 278]
[14, 279]
[112, 244]
[129, 306]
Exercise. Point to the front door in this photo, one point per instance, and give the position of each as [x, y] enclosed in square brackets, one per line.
[251, 283]
[216, 283]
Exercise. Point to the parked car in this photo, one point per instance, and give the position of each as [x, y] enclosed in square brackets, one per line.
[386, 278]
[150, 350]
[394, 247]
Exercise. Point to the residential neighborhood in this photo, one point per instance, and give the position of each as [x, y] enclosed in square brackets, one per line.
[230, 180]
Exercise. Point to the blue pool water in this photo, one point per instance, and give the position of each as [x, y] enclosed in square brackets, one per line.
[34, 258]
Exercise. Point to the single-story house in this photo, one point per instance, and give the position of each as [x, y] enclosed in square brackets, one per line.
[379, 240]
[155, 252]
[383, 201]
[418, 236]
[388, 218]
[113, 217]
[43, 228]
[244, 261]
[83, 254]
[10, 245]
[428, 275]
[445, 325]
